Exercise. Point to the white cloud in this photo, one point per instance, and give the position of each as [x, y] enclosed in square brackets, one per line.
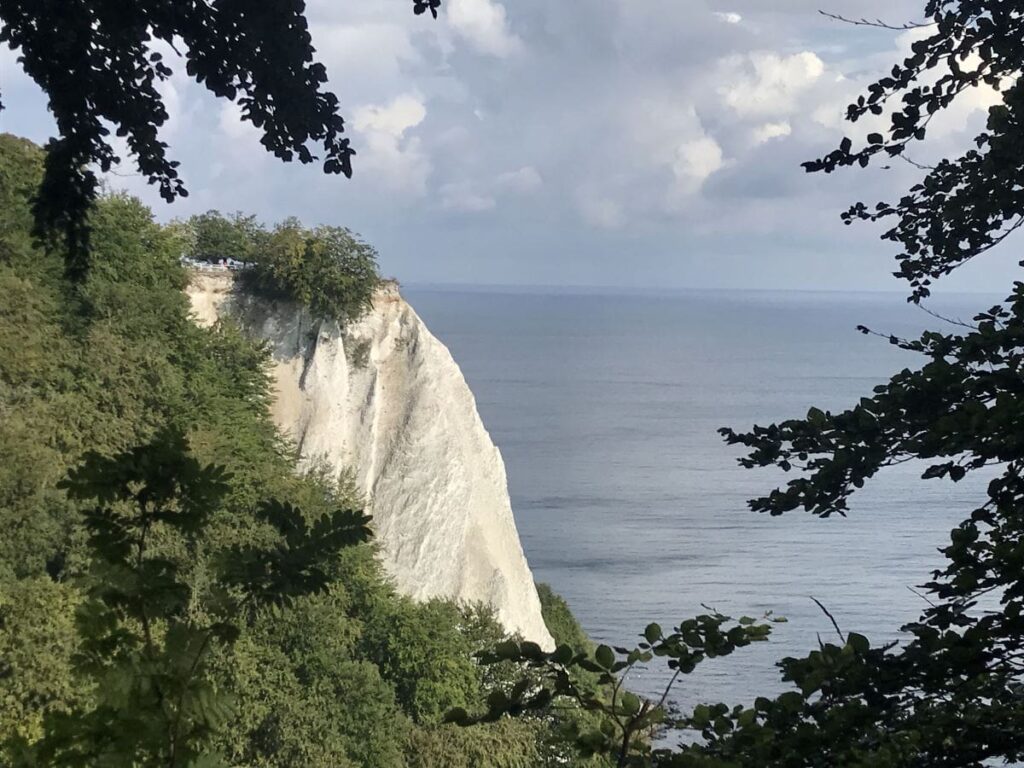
[366, 59]
[669, 142]
[600, 211]
[769, 84]
[462, 196]
[386, 155]
[394, 119]
[233, 127]
[769, 131]
[483, 25]
[474, 197]
[697, 159]
[729, 17]
[522, 181]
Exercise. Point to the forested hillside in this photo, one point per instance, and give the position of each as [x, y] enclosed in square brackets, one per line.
[348, 675]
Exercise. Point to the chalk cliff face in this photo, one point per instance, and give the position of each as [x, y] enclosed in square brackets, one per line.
[385, 400]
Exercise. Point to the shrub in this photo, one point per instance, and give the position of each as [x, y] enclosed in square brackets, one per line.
[329, 270]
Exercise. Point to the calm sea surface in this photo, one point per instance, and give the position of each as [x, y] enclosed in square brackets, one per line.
[630, 505]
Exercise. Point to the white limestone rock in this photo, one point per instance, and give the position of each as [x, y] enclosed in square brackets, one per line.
[385, 400]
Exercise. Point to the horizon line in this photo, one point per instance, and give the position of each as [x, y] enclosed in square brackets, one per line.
[604, 288]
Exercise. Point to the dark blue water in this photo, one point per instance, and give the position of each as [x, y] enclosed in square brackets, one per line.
[628, 503]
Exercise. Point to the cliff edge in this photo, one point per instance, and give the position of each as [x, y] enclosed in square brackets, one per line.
[384, 399]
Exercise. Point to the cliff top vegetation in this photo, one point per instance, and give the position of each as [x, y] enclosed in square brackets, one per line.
[172, 591]
[329, 270]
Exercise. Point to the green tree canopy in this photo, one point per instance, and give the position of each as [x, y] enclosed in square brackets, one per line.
[330, 668]
[330, 270]
[98, 65]
[214, 236]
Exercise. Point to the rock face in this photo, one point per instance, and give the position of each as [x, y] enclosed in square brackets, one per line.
[384, 400]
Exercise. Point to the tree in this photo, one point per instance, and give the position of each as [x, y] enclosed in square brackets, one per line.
[216, 237]
[146, 633]
[951, 695]
[105, 364]
[329, 270]
[97, 63]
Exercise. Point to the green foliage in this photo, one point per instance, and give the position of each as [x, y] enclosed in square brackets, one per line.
[213, 237]
[504, 744]
[626, 717]
[99, 69]
[420, 649]
[146, 633]
[303, 697]
[327, 269]
[90, 371]
[950, 695]
[563, 626]
[37, 641]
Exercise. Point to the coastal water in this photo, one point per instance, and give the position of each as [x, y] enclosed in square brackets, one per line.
[630, 505]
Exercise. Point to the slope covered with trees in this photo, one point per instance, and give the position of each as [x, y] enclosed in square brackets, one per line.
[298, 650]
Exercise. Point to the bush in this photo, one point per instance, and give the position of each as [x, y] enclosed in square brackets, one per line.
[216, 237]
[329, 270]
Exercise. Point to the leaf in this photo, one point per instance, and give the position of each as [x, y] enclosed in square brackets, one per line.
[701, 716]
[652, 633]
[604, 656]
[630, 703]
[858, 642]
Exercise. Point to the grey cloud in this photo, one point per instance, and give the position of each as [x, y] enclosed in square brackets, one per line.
[640, 170]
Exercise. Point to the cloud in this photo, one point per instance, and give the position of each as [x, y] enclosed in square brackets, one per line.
[600, 211]
[676, 129]
[475, 197]
[240, 132]
[768, 84]
[367, 58]
[462, 196]
[769, 131]
[521, 181]
[394, 119]
[483, 25]
[387, 156]
[696, 160]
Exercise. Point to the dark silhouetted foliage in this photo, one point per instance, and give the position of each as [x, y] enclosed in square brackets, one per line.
[951, 693]
[99, 65]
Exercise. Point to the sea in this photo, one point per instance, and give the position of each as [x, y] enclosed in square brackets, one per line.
[629, 504]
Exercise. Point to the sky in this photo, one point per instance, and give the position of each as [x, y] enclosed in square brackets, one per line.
[622, 143]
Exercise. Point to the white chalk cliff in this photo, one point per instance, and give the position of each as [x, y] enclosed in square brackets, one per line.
[385, 400]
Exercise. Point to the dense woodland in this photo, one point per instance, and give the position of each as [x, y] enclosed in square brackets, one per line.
[347, 674]
[173, 593]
